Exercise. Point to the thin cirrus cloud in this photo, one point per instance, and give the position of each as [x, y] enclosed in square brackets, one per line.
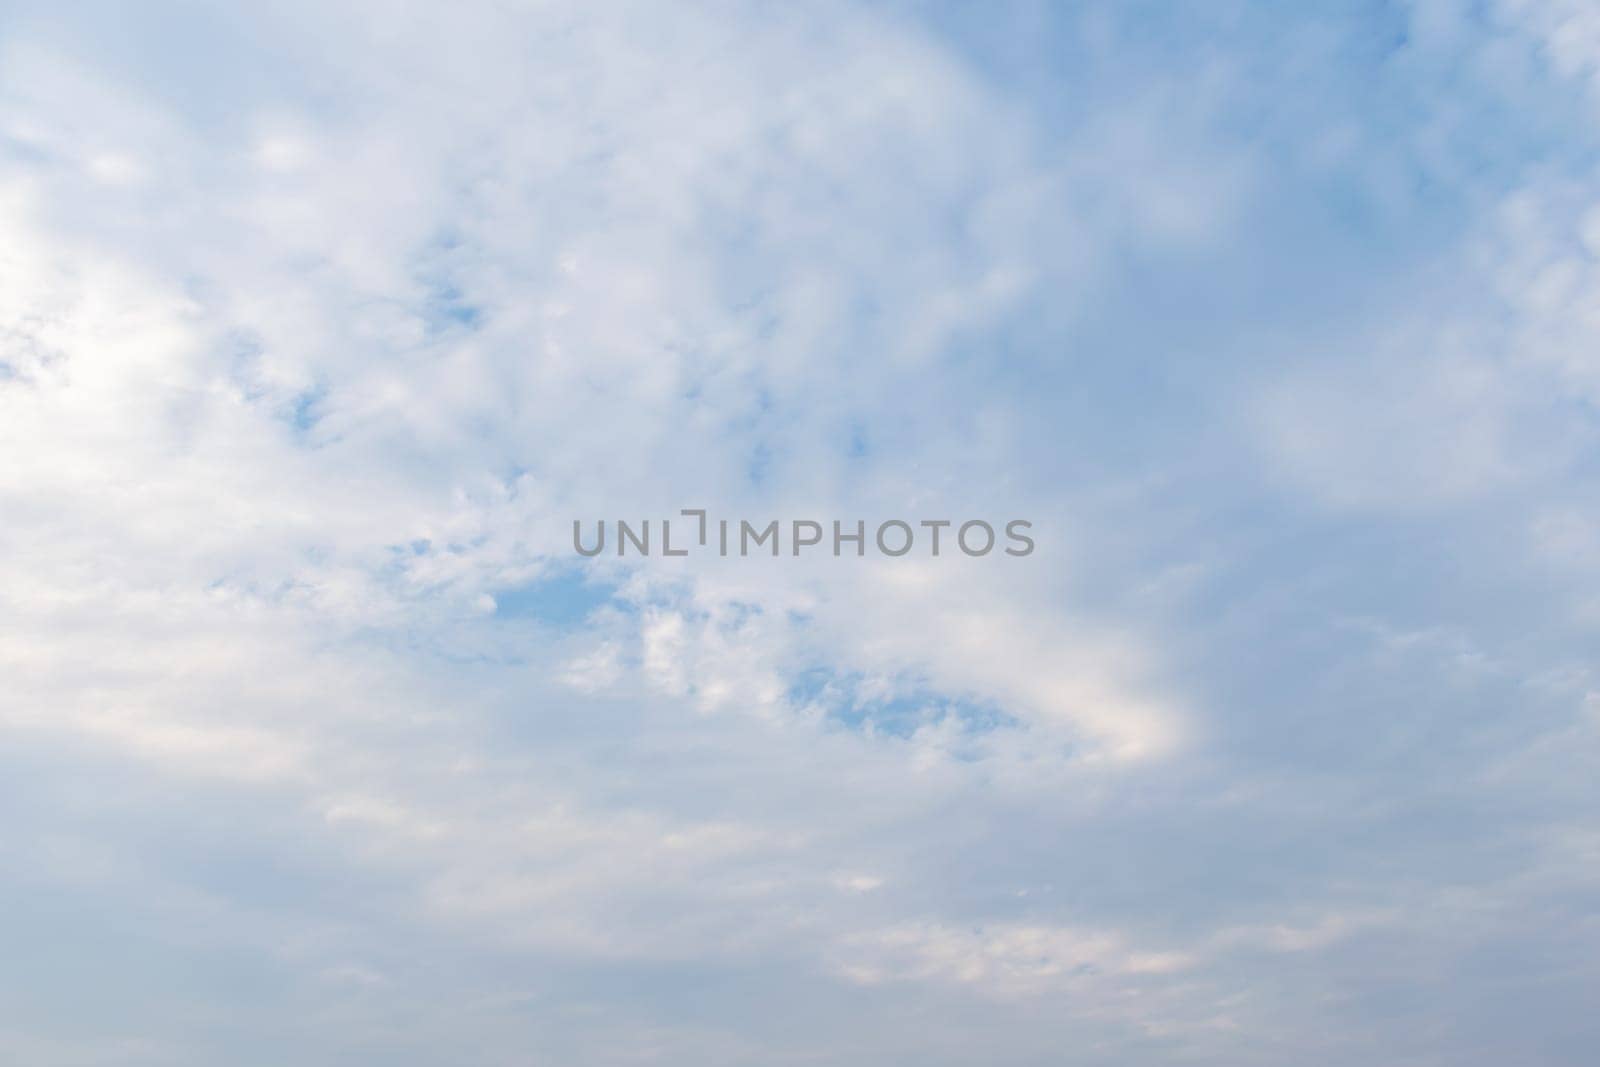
[318, 327]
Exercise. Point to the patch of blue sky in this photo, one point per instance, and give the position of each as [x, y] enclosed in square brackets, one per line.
[900, 709]
[759, 464]
[859, 447]
[563, 598]
[305, 410]
[448, 308]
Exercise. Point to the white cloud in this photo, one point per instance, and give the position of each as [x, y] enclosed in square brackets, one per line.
[312, 344]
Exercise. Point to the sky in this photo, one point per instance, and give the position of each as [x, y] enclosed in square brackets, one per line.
[320, 324]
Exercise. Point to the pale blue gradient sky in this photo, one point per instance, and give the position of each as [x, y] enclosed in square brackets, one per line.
[319, 325]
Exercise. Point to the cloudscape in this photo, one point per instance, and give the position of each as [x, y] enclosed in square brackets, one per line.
[1098, 549]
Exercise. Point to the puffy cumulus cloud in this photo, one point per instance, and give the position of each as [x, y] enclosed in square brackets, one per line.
[318, 326]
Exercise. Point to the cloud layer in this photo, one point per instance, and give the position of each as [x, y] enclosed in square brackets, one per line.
[319, 326]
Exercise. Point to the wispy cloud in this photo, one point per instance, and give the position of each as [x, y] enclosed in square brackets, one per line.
[319, 326]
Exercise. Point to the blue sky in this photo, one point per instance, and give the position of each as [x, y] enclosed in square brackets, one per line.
[320, 325]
